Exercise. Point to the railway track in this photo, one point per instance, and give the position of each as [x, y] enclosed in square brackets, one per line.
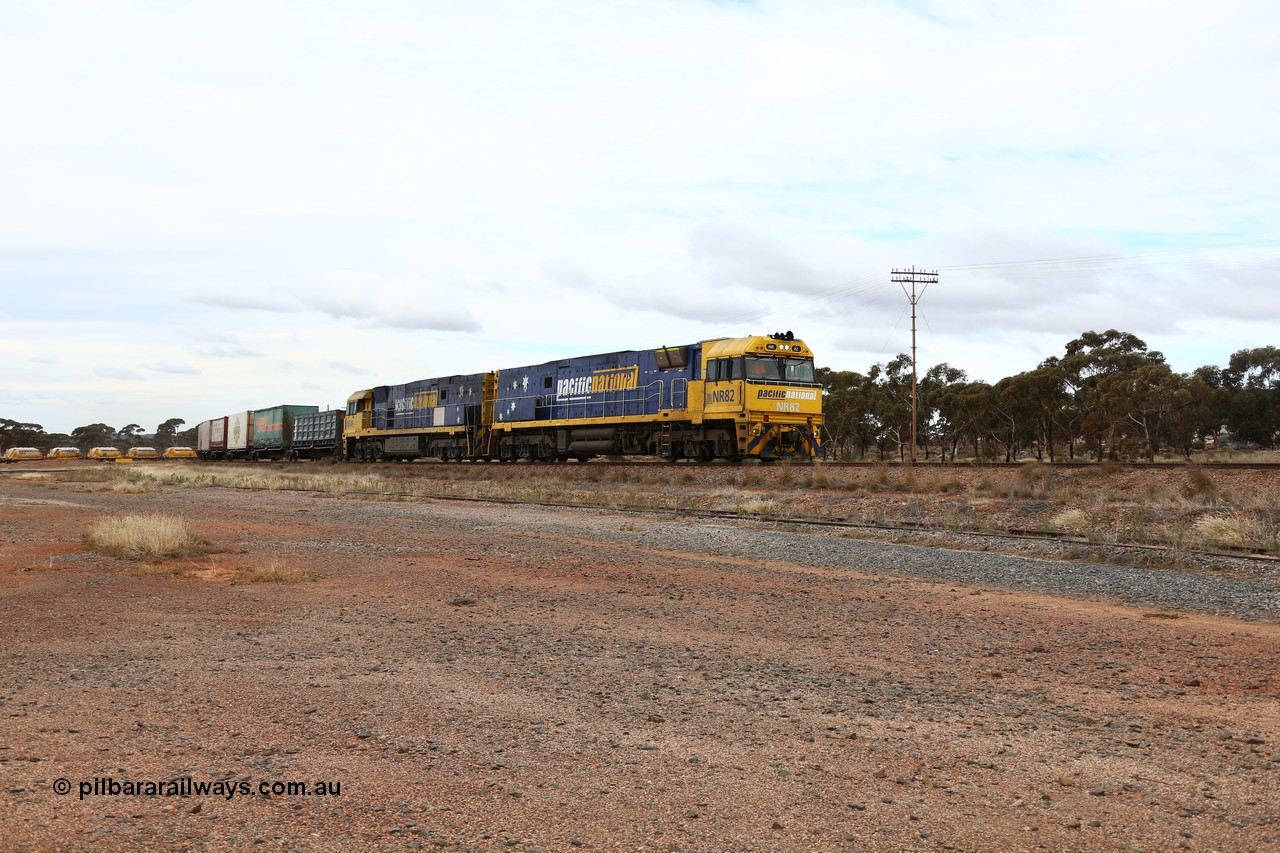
[1251, 554]
[648, 462]
[891, 527]
[1068, 466]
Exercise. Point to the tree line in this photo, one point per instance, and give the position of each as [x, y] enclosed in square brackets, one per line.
[19, 434]
[1107, 396]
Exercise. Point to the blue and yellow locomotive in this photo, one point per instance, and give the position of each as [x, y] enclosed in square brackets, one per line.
[732, 398]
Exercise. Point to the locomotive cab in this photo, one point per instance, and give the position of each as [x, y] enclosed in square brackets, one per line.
[766, 388]
[357, 422]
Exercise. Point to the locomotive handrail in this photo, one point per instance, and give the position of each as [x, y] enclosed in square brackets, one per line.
[684, 394]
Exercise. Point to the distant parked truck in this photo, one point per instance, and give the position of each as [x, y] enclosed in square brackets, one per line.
[63, 453]
[104, 453]
[143, 453]
[22, 454]
[273, 430]
[180, 452]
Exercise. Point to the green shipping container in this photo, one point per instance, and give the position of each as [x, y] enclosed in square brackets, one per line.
[273, 428]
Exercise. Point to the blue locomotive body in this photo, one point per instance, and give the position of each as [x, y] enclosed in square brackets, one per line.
[627, 384]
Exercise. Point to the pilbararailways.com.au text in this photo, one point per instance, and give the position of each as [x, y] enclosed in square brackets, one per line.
[186, 786]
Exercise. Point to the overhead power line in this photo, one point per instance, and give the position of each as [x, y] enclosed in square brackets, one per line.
[1241, 257]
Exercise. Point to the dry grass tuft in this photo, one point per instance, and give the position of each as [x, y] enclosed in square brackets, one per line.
[1072, 519]
[1199, 484]
[128, 488]
[85, 475]
[1035, 480]
[818, 478]
[143, 570]
[1109, 468]
[138, 537]
[757, 506]
[1238, 530]
[273, 572]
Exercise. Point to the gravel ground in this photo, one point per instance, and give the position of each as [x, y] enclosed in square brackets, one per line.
[481, 677]
[1238, 588]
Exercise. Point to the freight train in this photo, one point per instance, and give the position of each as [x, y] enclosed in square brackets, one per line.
[729, 398]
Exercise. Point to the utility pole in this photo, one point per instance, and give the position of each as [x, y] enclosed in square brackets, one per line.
[914, 277]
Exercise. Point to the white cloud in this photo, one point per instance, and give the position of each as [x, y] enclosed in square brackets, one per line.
[172, 367]
[259, 193]
[117, 373]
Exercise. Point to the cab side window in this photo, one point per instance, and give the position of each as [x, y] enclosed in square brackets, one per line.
[723, 369]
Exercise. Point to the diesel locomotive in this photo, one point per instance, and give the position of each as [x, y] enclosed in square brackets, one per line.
[729, 398]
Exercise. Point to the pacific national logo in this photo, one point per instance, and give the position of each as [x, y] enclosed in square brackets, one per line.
[786, 394]
[601, 381]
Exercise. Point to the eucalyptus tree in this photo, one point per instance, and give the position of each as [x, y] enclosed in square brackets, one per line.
[1091, 358]
[839, 403]
[21, 434]
[1195, 417]
[1252, 378]
[1013, 422]
[1149, 398]
[933, 387]
[167, 432]
[893, 404]
[129, 434]
[965, 412]
[93, 435]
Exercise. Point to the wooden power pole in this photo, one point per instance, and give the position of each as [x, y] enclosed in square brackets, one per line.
[914, 277]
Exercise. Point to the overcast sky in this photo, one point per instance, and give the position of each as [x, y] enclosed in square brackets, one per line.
[219, 206]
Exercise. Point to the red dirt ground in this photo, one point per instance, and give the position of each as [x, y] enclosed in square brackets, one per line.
[486, 678]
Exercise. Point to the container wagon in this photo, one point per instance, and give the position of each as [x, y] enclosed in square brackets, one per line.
[317, 435]
[273, 430]
[211, 439]
[239, 435]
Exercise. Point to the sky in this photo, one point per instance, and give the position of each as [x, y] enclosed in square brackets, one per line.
[212, 207]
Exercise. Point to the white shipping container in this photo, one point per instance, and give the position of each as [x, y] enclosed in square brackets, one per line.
[240, 430]
[202, 436]
[218, 433]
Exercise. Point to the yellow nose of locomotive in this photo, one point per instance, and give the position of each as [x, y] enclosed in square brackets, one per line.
[768, 385]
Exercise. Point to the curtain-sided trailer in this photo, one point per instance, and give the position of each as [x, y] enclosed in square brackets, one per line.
[272, 434]
[211, 439]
